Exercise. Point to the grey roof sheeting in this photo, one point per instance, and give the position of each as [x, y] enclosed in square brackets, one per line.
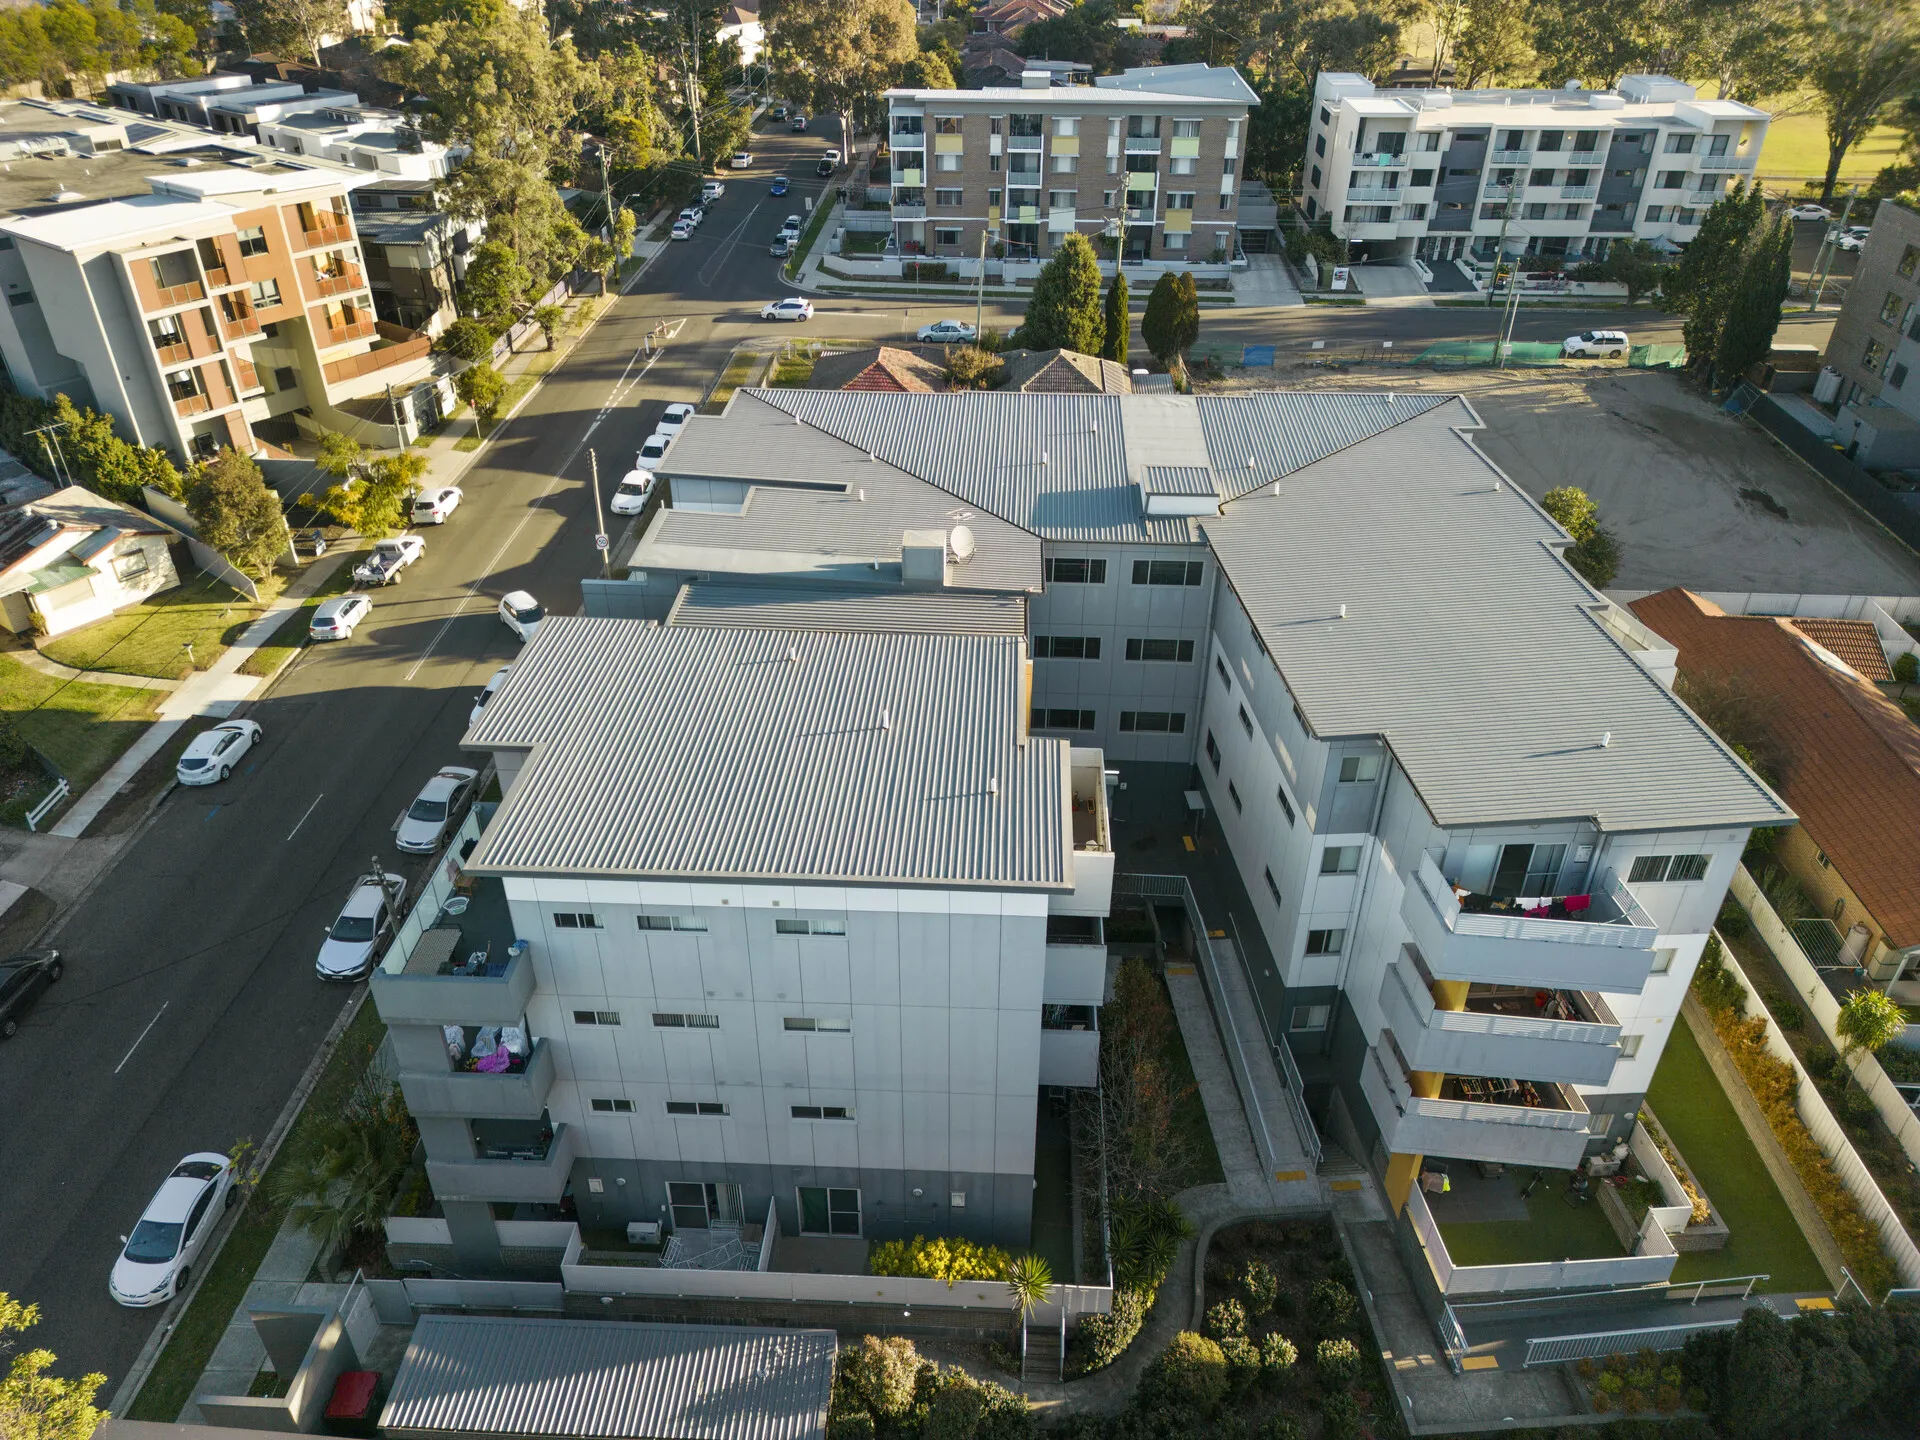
[473, 1375]
[1058, 465]
[845, 607]
[722, 753]
[1468, 644]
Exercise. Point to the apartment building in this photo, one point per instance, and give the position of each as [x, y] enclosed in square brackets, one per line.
[197, 292]
[1150, 157]
[226, 102]
[1443, 175]
[1875, 344]
[1483, 841]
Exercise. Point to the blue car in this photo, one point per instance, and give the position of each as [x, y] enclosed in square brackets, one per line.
[779, 184]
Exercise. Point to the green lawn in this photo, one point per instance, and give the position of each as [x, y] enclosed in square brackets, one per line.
[151, 638]
[1700, 1120]
[731, 379]
[792, 370]
[1796, 149]
[82, 728]
[1189, 1111]
[174, 1375]
[1554, 1230]
[292, 633]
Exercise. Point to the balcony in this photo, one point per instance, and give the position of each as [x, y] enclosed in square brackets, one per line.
[176, 352]
[909, 212]
[343, 282]
[1573, 1038]
[247, 377]
[1032, 142]
[432, 991]
[1703, 198]
[1611, 950]
[1069, 1046]
[1726, 162]
[507, 1167]
[1500, 189]
[1092, 839]
[1373, 194]
[1503, 1121]
[337, 230]
[240, 326]
[1143, 145]
[1510, 157]
[517, 1094]
[1578, 192]
[1379, 160]
[165, 297]
[191, 405]
[327, 336]
[1076, 957]
[396, 345]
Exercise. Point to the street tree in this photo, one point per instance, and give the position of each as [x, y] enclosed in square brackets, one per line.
[1866, 54]
[1064, 312]
[1700, 286]
[495, 284]
[1753, 308]
[1172, 320]
[467, 339]
[1595, 553]
[339, 455]
[481, 387]
[624, 229]
[1636, 265]
[1869, 1021]
[375, 497]
[291, 24]
[35, 1404]
[236, 513]
[552, 320]
[1118, 319]
[838, 53]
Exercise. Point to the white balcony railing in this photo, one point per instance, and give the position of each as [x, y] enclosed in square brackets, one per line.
[1379, 160]
[1553, 1136]
[1726, 162]
[1578, 192]
[1483, 1042]
[1510, 157]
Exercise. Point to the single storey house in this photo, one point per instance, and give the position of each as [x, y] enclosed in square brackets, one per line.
[75, 557]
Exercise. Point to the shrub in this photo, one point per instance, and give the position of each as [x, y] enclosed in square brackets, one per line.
[1338, 1362]
[971, 368]
[1332, 1306]
[1283, 1427]
[1820, 1061]
[1906, 667]
[1108, 1336]
[13, 745]
[1733, 919]
[1243, 1362]
[1228, 1318]
[1786, 1013]
[1277, 1355]
[1714, 985]
[1191, 1371]
[938, 1259]
[1667, 1399]
[1901, 1063]
[1854, 1106]
[1340, 1417]
[1262, 1287]
[962, 1408]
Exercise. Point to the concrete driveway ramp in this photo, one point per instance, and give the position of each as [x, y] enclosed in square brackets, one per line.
[1379, 282]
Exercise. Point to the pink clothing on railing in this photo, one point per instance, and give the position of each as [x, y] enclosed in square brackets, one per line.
[493, 1064]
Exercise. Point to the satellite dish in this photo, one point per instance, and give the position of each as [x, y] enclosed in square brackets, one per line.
[960, 542]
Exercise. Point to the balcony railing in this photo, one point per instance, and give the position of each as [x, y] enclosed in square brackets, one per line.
[1578, 192]
[339, 335]
[1027, 142]
[247, 376]
[1726, 162]
[1140, 145]
[538, 1180]
[1379, 159]
[1540, 1123]
[909, 212]
[168, 296]
[1575, 1039]
[403, 348]
[239, 326]
[343, 283]
[1510, 157]
[1703, 197]
[192, 405]
[1500, 189]
[337, 231]
[427, 997]
[176, 352]
[518, 1094]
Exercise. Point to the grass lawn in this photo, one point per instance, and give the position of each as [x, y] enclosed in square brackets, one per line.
[151, 637]
[292, 633]
[792, 370]
[1189, 1111]
[1554, 1230]
[174, 1375]
[1700, 1120]
[81, 727]
[1796, 149]
[863, 242]
[731, 379]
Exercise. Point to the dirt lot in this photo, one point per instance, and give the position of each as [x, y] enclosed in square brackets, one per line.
[1698, 497]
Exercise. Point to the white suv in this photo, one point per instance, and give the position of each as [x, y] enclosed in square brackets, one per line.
[1610, 343]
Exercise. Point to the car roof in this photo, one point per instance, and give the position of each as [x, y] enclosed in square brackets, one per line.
[680, 407]
[519, 599]
[173, 1199]
[446, 782]
[365, 900]
[205, 742]
[498, 676]
[338, 604]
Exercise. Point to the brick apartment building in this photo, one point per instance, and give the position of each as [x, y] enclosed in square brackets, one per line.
[1875, 344]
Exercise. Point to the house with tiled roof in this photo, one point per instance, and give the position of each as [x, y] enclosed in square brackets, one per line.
[1850, 759]
[1066, 372]
[879, 367]
[1854, 641]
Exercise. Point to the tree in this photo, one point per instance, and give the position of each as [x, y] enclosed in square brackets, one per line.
[495, 284]
[103, 462]
[1117, 318]
[1753, 311]
[1029, 1285]
[877, 1378]
[1085, 33]
[340, 1183]
[1634, 264]
[1496, 44]
[1172, 320]
[1866, 54]
[838, 53]
[927, 71]
[376, 497]
[1064, 312]
[339, 455]
[1700, 286]
[467, 339]
[236, 513]
[1146, 1154]
[36, 1405]
[1869, 1021]
[1595, 553]
[481, 387]
[292, 24]
[624, 228]
[552, 320]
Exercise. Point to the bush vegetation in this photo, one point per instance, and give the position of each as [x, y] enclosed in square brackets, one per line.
[1854, 1373]
[884, 1390]
[940, 1258]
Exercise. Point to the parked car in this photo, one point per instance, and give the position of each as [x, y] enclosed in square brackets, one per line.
[947, 332]
[791, 226]
[211, 756]
[692, 215]
[1610, 343]
[487, 693]
[652, 451]
[387, 559]
[825, 167]
[712, 191]
[334, 619]
[779, 112]
[1851, 238]
[439, 805]
[630, 496]
[157, 1259]
[22, 978]
[782, 245]
[363, 928]
[432, 507]
[741, 159]
[521, 613]
[1810, 212]
[780, 183]
[799, 126]
[682, 230]
[832, 157]
[673, 418]
[791, 308]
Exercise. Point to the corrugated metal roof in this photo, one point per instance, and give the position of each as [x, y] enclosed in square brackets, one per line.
[611, 1380]
[844, 607]
[714, 753]
[1178, 480]
[1467, 643]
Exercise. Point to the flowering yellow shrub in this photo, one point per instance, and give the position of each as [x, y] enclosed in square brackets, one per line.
[938, 1259]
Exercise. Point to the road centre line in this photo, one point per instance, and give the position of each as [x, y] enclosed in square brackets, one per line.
[143, 1035]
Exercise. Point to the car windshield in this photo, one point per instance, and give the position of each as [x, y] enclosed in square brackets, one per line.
[353, 928]
[632, 489]
[1589, 335]
[428, 810]
[153, 1242]
[530, 614]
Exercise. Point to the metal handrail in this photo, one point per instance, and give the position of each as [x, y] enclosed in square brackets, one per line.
[1560, 1296]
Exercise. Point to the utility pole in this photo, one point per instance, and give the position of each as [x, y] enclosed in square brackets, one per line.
[980, 294]
[50, 440]
[600, 541]
[1828, 250]
[1506, 219]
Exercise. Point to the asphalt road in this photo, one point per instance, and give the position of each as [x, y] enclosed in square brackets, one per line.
[190, 1009]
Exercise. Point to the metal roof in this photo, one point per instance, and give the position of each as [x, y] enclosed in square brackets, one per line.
[713, 752]
[1178, 480]
[1468, 644]
[846, 607]
[477, 1375]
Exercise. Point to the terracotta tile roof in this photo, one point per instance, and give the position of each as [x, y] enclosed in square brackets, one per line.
[1066, 372]
[880, 367]
[1854, 641]
[1852, 757]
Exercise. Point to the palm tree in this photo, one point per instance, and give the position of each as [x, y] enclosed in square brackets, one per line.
[1029, 1283]
[342, 1180]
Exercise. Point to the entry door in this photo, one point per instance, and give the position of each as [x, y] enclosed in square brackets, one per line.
[825, 1211]
[1527, 870]
[696, 1205]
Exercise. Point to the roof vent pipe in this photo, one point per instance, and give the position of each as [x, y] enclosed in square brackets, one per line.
[993, 785]
[1343, 612]
[793, 655]
[1043, 457]
[1606, 739]
[862, 493]
[886, 719]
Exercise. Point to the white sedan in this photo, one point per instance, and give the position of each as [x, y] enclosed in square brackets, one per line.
[682, 230]
[948, 332]
[653, 451]
[792, 308]
[674, 417]
[1810, 212]
[432, 507]
[492, 689]
[156, 1260]
[741, 159]
[712, 191]
[362, 929]
[213, 753]
[521, 613]
[630, 497]
[441, 801]
[1851, 238]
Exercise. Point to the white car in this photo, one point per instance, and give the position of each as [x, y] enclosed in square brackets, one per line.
[521, 613]
[791, 226]
[692, 215]
[387, 559]
[334, 619]
[630, 496]
[1810, 212]
[362, 929]
[492, 689]
[1610, 343]
[741, 159]
[432, 507]
[948, 332]
[157, 1259]
[441, 801]
[674, 417]
[682, 230]
[712, 191]
[793, 307]
[211, 756]
[1851, 238]
[653, 451]
[832, 157]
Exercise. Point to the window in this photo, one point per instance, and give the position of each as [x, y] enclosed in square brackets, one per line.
[1909, 261]
[1064, 571]
[823, 1112]
[809, 927]
[254, 241]
[1186, 129]
[829, 1212]
[1326, 942]
[1671, 180]
[1213, 752]
[1527, 869]
[1630, 1046]
[1062, 199]
[1220, 668]
[1060, 719]
[1066, 164]
[20, 297]
[1165, 722]
[613, 1107]
[1422, 178]
[1174, 240]
[1066, 125]
[949, 163]
[1168, 572]
[1246, 722]
[1340, 860]
[1653, 214]
[127, 568]
[596, 1017]
[1178, 651]
[1897, 377]
[1309, 1017]
[946, 124]
[1316, 181]
[265, 294]
[1688, 867]
[943, 235]
[1067, 647]
[1320, 149]
[671, 922]
[1233, 794]
[695, 1107]
[1359, 769]
[1024, 124]
[993, 198]
[1272, 888]
[673, 1020]
[1180, 200]
[1300, 719]
[576, 920]
[1430, 141]
[1286, 805]
[812, 1023]
[1662, 962]
[1652, 869]
[1492, 212]
[1181, 165]
[183, 384]
[284, 377]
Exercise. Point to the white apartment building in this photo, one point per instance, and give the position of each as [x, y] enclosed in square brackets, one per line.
[1442, 175]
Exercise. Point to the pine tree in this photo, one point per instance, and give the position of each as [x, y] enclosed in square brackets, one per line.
[1187, 315]
[1117, 318]
[1157, 325]
[1064, 312]
[1753, 307]
[1701, 285]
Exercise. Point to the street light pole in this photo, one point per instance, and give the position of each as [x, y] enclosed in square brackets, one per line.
[600, 541]
[1828, 249]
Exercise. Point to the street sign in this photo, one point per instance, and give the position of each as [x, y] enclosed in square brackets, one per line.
[1340, 276]
[600, 542]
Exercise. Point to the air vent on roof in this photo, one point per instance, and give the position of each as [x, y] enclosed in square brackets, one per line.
[64, 196]
[961, 543]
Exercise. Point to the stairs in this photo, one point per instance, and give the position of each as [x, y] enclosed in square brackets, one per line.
[1336, 1164]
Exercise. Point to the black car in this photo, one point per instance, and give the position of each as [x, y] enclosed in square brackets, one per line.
[22, 978]
[825, 167]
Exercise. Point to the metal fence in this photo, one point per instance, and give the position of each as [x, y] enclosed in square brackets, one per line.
[1557, 1349]
[1852, 481]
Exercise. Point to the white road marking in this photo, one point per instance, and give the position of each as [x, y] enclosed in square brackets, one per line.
[303, 819]
[726, 248]
[143, 1035]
